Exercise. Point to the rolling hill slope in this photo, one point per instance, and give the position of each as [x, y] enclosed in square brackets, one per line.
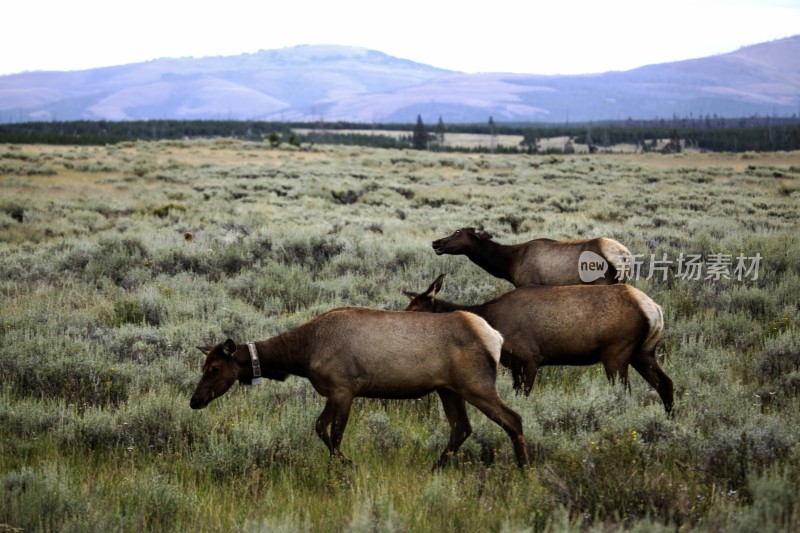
[309, 83]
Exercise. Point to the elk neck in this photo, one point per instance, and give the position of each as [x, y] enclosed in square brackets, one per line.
[495, 258]
[284, 355]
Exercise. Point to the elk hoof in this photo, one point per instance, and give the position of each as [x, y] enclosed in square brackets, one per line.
[341, 457]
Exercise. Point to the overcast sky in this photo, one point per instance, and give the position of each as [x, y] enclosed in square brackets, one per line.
[551, 37]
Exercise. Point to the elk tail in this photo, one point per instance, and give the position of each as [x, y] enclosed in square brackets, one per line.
[655, 317]
[618, 257]
[492, 339]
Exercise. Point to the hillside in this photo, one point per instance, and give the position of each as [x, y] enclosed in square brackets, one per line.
[310, 83]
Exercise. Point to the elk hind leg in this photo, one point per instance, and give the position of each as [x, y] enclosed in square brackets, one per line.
[493, 407]
[647, 366]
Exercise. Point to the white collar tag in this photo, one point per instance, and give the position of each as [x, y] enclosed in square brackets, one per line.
[256, 364]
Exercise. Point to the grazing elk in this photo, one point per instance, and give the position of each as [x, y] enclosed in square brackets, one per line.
[350, 352]
[616, 325]
[537, 262]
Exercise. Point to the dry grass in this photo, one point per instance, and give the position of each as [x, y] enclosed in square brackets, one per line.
[104, 300]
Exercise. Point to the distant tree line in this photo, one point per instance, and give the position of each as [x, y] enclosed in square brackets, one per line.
[110, 132]
[756, 133]
[760, 138]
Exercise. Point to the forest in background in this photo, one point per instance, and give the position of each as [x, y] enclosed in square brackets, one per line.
[707, 133]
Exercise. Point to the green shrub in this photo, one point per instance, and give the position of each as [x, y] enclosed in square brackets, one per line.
[113, 258]
[153, 503]
[160, 422]
[29, 419]
[78, 378]
[780, 356]
[155, 422]
[376, 430]
[165, 210]
[243, 448]
[137, 343]
[277, 288]
[618, 480]
[14, 209]
[375, 514]
[738, 330]
[40, 500]
[104, 301]
[731, 453]
[311, 252]
[127, 310]
[774, 507]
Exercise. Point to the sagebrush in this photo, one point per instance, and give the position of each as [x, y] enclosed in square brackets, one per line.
[116, 262]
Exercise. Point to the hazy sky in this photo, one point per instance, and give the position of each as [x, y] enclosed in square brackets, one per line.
[576, 36]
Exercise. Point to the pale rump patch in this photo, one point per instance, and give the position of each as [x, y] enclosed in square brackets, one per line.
[491, 338]
[655, 318]
[614, 251]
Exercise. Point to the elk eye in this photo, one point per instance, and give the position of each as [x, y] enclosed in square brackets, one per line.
[214, 369]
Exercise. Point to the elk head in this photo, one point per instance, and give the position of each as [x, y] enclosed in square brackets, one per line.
[425, 302]
[461, 241]
[220, 370]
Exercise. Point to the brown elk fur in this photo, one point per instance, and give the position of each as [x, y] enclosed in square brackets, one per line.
[536, 262]
[350, 352]
[616, 325]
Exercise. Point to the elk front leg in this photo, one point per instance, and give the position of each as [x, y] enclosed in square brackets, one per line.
[615, 361]
[529, 376]
[322, 424]
[517, 370]
[460, 428]
[341, 401]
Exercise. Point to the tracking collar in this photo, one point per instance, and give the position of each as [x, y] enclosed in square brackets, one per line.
[256, 364]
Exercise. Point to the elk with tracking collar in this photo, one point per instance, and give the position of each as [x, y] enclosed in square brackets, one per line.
[351, 352]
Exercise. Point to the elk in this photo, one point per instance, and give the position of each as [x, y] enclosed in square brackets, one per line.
[616, 325]
[540, 261]
[357, 352]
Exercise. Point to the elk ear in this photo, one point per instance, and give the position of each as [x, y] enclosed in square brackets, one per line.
[229, 348]
[483, 234]
[410, 294]
[204, 349]
[435, 287]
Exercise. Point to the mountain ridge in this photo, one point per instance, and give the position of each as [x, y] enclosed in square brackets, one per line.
[339, 83]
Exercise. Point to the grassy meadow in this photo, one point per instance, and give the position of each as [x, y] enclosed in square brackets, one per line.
[116, 261]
